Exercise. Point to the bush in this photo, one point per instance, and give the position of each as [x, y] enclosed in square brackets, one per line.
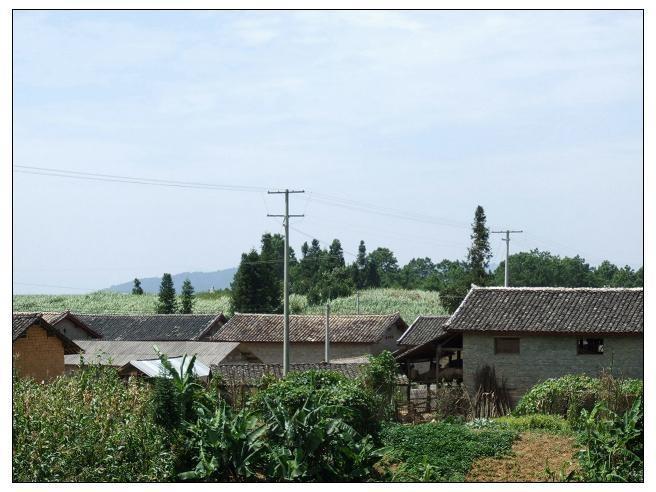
[379, 376]
[440, 451]
[452, 400]
[541, 422]
[88, 427]
[569, 395]
[614, 444]
[357, 406]
[314, 443]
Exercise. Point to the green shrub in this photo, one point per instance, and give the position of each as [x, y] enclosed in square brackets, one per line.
[440, 451]
[379, 376]
[314, 443]
[569, 395]
[225, 445]
[357, 406]
[541, 422]
[87, 427]
[614, 444]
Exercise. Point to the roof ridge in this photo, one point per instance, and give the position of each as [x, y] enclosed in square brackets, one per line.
[566, 289]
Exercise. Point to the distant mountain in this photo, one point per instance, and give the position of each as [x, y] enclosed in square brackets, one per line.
[202, 281]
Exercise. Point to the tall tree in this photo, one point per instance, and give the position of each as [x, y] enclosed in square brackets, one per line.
[387, 265]
[187, 297]
[255, 287]
[358, 268]
[335, 255]
[167, 303]
[136, 289]
[479, 253]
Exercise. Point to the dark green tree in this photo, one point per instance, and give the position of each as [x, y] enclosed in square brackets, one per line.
[187, 297]
[479, 253]
[416, 273]
[358, 268]
[371, 275]
[335, 255]
[387, 264]
[255, 287]
[136, 289]
[167, 303]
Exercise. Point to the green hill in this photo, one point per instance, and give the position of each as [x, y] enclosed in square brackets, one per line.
[410, 303]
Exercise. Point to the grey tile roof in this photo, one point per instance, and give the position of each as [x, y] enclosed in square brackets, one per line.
[118, 353]
[250, 374]
[55, 317]
[20, 322]
[550, 310]
[424, 329]
[364, 328]
[173, 327]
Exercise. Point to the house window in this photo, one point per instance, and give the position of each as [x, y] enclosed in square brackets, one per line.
[590, 346]
[506, 345]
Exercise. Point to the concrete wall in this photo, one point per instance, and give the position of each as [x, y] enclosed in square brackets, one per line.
[543, 357]
[38, 355]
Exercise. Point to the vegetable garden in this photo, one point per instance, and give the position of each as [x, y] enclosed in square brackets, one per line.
[310, 426]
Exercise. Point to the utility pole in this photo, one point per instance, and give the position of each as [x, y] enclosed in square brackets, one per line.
[357, 301]
[506, 277]
[327, 347]
[285, 330]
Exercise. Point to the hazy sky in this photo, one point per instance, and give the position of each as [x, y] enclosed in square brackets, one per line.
[537, 116]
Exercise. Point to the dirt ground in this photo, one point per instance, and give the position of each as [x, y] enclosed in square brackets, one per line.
[531, 454]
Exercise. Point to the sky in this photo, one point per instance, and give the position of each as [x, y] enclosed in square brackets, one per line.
[396, 124]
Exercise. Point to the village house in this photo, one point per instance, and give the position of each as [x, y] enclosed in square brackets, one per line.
[71, 325]
[529, 334]
[118, 353]
[153, 368]
[154, 327]
[38, 349]
[260, 336]
[427, 353]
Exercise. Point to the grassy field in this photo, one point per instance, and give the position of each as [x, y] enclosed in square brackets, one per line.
[410, 303]
[109, 303]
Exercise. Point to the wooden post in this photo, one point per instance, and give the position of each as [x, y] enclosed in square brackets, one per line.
[428, 397]
[438, 353]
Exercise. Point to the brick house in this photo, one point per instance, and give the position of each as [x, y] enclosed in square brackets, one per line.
[260, 336]
[529, 334]
[38, 348]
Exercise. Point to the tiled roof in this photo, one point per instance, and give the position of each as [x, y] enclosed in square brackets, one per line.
[118, 353]
[20, 322]
[364, 328]
[236, 374]
[424, 329]
[55, 317]
[152, 326]
[550, 310]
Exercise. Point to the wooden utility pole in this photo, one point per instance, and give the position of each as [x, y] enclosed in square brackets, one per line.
[506, 277]
[285, 330]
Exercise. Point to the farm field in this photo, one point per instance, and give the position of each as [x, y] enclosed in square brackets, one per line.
[410, 303]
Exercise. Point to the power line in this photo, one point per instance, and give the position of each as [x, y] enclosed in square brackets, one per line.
[64, 173]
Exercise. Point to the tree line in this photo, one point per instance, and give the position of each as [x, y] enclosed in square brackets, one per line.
[167, 301]
[322, 274]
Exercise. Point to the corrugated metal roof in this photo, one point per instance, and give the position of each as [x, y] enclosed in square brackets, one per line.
[122, 352]
[154, 368]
